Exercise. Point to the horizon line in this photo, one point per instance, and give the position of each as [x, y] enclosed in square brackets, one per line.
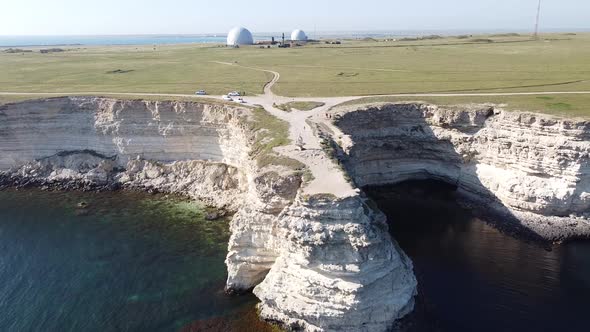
[214, 34]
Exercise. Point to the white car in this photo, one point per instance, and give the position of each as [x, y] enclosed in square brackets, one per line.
[234, 94]
[201, 93]
[240, 100]
[227, 98]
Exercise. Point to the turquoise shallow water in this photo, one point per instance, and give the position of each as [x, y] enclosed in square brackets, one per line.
[126, 262]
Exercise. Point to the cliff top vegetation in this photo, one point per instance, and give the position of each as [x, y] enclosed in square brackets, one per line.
[463, 64]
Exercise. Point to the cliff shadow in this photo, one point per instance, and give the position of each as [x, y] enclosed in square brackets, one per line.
[396, 143]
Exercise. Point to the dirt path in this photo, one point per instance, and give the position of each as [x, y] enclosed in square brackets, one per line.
[328, 176]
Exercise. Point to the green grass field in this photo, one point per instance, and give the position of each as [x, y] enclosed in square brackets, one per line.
[171, 69]
[546, 65]
[558, 105]
[557, 62]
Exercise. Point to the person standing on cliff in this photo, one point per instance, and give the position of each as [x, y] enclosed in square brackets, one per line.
[299, 143]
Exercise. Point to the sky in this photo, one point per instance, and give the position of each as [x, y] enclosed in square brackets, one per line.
[100, 17]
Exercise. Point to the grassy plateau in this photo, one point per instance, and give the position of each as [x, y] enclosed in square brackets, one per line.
[465, 64]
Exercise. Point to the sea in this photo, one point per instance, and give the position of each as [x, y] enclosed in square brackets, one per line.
[127, 261]
[473, 277]
[32, 41]
[122, 261]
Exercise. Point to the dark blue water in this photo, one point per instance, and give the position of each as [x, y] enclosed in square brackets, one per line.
[471, 277]
[127, 262]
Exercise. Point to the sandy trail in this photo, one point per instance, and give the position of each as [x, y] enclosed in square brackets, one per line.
[328, 177]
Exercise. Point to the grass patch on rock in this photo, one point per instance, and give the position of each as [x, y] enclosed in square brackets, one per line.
[269, 133]
[299, 105]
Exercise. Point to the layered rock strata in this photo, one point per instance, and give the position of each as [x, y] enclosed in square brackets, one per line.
[531, 168]
[316, 263]
[339, 270]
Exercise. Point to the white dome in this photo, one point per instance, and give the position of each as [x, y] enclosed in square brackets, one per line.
[298, 35]
[239, 36]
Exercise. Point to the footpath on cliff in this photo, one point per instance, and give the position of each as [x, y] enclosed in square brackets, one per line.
[328, 176]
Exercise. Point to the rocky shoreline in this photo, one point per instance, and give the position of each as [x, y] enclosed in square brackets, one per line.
[138, 175]
[8, 180]
[556, 230]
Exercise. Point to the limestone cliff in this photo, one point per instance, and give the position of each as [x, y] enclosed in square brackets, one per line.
[338, 269]
[529, 166]
[174, 147]
[317, 262]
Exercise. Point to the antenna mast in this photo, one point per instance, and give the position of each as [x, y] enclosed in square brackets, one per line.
[537, 22]
[315, 29]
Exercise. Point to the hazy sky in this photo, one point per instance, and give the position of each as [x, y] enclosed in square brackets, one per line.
[47, 17]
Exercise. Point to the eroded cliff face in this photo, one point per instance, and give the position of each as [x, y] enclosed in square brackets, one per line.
[317, 263]
[186, 148]
[528, 166]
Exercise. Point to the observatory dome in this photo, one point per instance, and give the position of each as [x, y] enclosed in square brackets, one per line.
[239, 36]
[298, 35]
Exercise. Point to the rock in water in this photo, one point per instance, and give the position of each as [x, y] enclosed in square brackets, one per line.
[337, 270]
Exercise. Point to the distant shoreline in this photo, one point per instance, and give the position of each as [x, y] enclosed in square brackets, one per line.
[132, 40]
[219, 38]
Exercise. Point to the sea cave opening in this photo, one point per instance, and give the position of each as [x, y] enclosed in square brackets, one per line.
[471, 276]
